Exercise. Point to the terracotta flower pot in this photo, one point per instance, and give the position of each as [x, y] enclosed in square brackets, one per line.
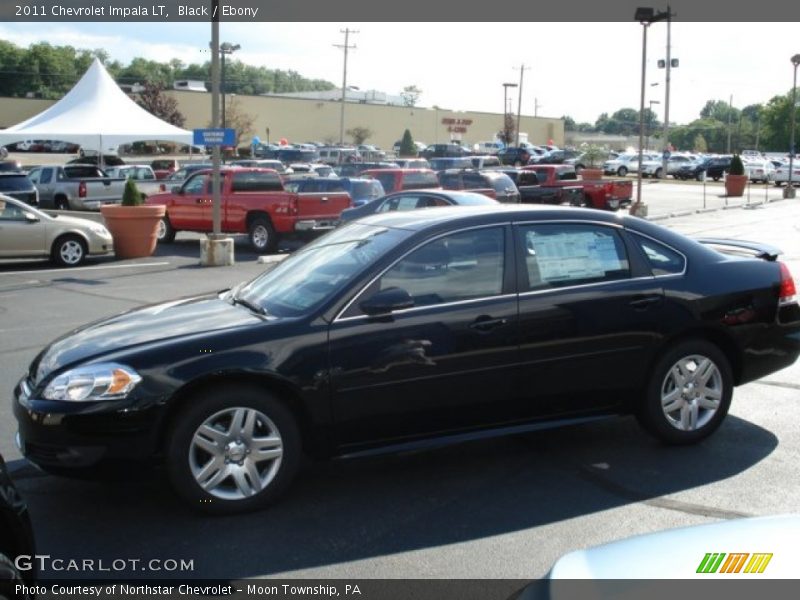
[134, 228]
[735, 184]
[590, 173]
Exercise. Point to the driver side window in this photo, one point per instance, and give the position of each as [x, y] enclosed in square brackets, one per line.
[196, 185]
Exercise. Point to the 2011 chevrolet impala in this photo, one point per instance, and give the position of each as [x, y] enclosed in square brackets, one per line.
[411, 329]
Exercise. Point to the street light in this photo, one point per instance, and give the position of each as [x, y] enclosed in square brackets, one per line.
[789, 191]
[645, 16]
[505, 111]
[225, 48]
[650, 120]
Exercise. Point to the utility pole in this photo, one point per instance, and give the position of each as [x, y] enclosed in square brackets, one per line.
[216, 202]
[730, 111]
[668, 66]
[522, 70]
[347, 31]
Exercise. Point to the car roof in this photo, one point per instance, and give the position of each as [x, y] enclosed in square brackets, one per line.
[487, 215]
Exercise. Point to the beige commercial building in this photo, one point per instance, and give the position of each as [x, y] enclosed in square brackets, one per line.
[301, 120]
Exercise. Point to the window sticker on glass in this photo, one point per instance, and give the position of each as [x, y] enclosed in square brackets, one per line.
[575, 255]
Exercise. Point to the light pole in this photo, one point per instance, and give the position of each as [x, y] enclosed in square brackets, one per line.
[506, 129]
[646, 17]
[650, 120]
[225, 48]
[346, 47]
[789, 191]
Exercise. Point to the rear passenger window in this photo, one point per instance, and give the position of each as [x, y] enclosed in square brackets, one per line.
[662, 259]
[562, 255]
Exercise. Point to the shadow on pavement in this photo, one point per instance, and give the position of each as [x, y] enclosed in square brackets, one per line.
[343, 511]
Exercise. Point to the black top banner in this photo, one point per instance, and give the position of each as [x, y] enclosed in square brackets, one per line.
[403, 11]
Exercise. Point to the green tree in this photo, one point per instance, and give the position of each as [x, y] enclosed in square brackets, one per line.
[776, 123]
[699, 143]
[359, 134]
[153, 100]
[407, 147]
[410, 94]
[569, 123]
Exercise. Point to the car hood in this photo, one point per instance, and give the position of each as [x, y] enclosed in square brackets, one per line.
[177, 319]
[63, 221]
[682, 553]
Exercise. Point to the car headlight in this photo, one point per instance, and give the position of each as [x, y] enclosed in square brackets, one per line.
[103, 381]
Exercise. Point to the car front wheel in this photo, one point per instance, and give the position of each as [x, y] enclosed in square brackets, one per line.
[622, 171]
[68, 251]
[234, 449]
[688, 394]
[10, 577]
[262, 236]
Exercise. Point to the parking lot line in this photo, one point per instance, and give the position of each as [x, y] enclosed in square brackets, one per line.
[72, 270]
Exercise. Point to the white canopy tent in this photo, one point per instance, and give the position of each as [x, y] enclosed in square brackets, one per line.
[96, 114]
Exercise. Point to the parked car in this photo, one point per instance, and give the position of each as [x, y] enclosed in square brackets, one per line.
[10, 165]
[397, 332]
[782, 174]
[412, 200]
[494, 184]
[355, 169]
[313, 169]
[396, 180]
[533, 187]
[444, 151]
[109, 160]
[17, 538]
[604, 194]
[442, 164]
[485, 162]
[181, 175]
[18, 185]
[412, 163]
[76, 187]
[340, 156]
[28, 232]
[620, 165]
[362, 190]
[262, 163]
[514, 156]
[253, 201]
[556, 157]
[297, 155]
[142, 175]
[419, 146]
[488, 147]
[714, 167]
[164, 167]
[759, 170]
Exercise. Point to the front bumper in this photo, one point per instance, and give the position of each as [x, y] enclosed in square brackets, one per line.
[57, 435]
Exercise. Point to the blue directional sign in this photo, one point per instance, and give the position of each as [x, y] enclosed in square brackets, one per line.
[215, 137]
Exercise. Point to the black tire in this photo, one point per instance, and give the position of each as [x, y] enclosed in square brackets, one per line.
[622, 171]
[9, 578]
[716, 178]
[663, 423]
[517, 163]
[698, 177]
[778, 184]
[68, 251]
[61, 203]
[185, 457]
[166, 233]
[659, 172]
[262, 236]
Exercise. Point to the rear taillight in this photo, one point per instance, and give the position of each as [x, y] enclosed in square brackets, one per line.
[294, 209]
[82, 189]
[788, 292]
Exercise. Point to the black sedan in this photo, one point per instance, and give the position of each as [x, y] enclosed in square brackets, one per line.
[16, 539]
[713, 167]
[407, 330]
[413, 199]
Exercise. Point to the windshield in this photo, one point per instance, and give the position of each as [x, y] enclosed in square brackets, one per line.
[308, 278]
[16, 183]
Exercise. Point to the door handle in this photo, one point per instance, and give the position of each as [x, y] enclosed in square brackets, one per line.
[644, 302]
[485, 323]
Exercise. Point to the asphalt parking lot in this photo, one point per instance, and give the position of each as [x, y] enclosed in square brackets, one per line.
[499, 509]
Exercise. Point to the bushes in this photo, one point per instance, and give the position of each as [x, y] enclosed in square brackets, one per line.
[131, 196]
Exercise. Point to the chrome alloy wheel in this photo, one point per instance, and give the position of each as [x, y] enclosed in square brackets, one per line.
[71, 252]
[260, 236]
[691, 392]
[235, 453]
[161, 232]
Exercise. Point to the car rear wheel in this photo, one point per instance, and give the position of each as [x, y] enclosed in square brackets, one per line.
[262, 236]
[659, 173]
[517, 163]
[166, 233]
[622, 171]
[61, 203]
[68, 251]
[699, 176]
[233, 450]
[688, 394]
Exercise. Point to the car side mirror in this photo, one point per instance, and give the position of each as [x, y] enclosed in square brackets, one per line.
[31, 218]
[387, 301]
[176, 189]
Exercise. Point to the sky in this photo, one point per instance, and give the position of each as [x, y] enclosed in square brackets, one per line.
[575, 69]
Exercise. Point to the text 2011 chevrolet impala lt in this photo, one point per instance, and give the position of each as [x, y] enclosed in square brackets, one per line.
[408, 329]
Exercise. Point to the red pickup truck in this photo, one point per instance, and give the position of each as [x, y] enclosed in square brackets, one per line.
[253, 202]
[605, 194]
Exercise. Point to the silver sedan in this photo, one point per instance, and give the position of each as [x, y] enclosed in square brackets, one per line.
[28, 232]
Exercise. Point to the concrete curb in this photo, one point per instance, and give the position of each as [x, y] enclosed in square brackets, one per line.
[687, 213]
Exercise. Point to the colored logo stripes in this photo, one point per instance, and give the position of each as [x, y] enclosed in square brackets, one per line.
[720, 562]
